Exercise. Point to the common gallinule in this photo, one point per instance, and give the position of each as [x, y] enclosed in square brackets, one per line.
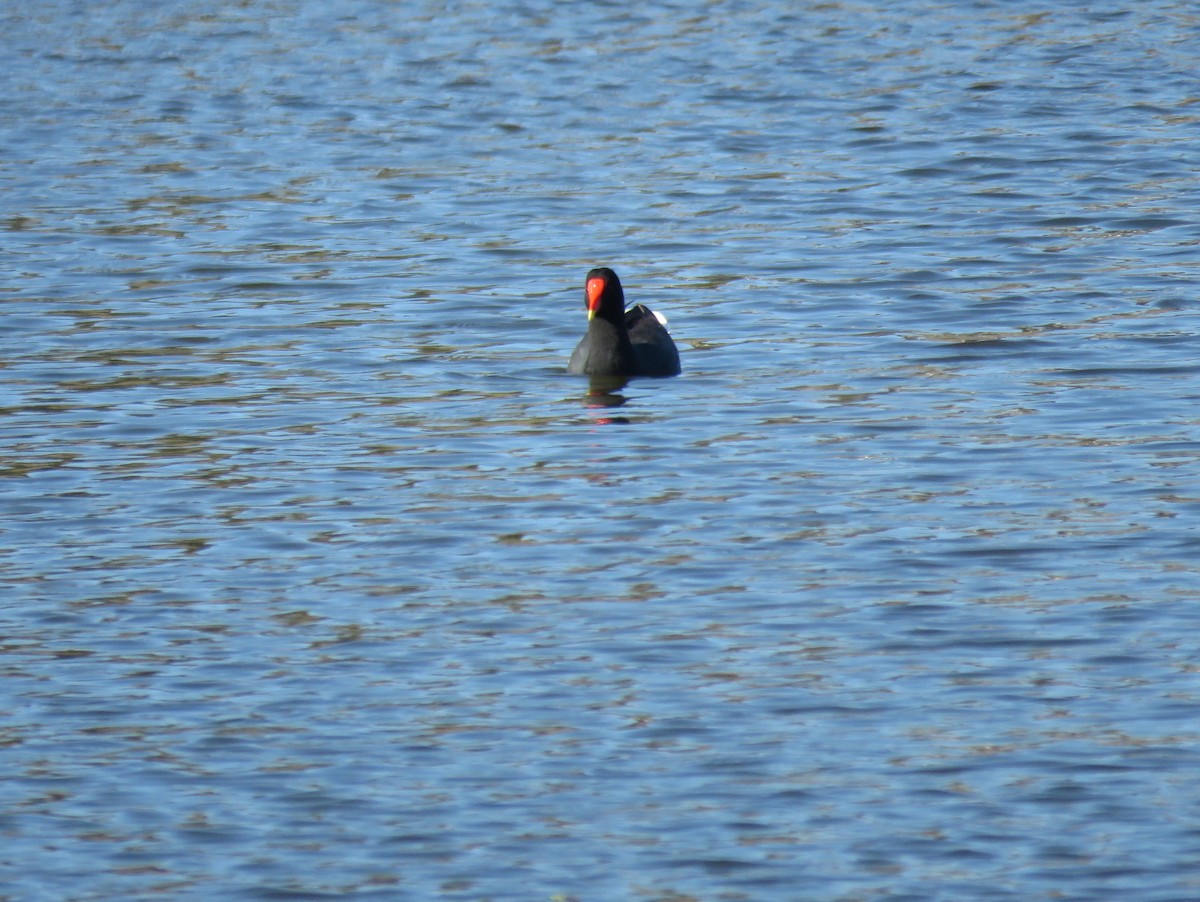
[621, 342]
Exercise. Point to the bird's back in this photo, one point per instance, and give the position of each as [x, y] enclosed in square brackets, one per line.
[652, 344]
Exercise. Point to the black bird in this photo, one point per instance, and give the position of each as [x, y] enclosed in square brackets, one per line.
[621, 342]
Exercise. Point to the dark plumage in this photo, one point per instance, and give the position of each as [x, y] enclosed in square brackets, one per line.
[621, 342]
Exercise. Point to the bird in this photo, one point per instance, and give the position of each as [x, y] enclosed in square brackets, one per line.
[621, 342]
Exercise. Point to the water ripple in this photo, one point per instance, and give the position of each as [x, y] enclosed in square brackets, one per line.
[323, 577]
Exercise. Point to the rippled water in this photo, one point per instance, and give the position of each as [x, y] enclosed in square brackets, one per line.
[322, 578]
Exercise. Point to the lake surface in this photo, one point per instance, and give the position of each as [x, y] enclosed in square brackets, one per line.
[321, 578]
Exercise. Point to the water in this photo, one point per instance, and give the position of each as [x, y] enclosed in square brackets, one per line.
[322, 578]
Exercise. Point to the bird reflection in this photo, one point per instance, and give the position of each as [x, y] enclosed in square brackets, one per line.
[605, 392]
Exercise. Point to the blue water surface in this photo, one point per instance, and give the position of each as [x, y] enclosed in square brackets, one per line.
[321, 577]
